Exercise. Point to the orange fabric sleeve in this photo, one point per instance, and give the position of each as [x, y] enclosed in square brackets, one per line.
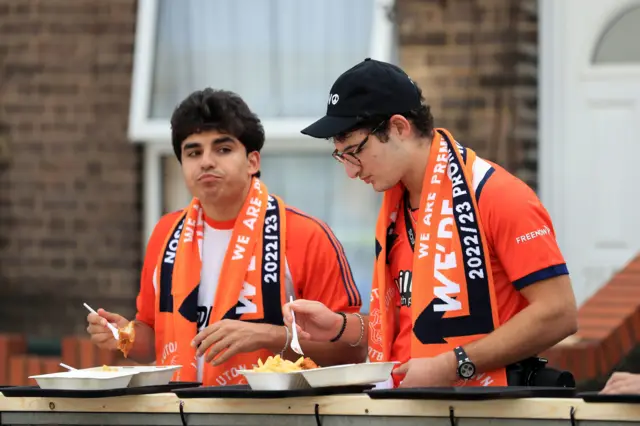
[519, 230]
[318, 264]
[145, 301]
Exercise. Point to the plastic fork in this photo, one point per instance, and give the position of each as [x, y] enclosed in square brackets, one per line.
[114, 330]
[68, 367]
[295, 344]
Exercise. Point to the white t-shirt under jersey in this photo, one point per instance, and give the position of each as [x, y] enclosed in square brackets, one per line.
[214, 248]
[217, 236]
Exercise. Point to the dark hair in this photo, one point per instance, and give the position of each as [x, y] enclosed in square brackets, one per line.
[220, 110]
[420, 117]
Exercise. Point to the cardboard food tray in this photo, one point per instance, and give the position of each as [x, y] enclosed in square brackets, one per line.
[144, 375]
[35, 391]
[244, 391]
[349, 374]
[472, 393]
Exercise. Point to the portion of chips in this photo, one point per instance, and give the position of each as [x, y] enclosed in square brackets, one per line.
[276, 364]
[111, 369]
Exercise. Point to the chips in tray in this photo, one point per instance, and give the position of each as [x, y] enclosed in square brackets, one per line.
[112, 369]
[275, 364]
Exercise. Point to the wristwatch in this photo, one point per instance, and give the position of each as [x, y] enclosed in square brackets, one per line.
[466, 368]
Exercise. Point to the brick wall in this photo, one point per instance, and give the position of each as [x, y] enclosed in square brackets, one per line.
[608, 334]
[69, 180]
[476, 61]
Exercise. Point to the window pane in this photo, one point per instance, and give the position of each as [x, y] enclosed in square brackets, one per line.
[317, 185]
[619, 43]
[175, 195]
[281, 56]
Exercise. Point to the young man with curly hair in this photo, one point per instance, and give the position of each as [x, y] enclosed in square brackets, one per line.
[217, 273]
[469, 282]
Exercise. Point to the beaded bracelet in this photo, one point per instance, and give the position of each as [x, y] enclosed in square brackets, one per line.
[344, 326]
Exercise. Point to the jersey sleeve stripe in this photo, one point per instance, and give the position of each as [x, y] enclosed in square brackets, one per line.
[353, 293]
[542, 274]
[482, 182]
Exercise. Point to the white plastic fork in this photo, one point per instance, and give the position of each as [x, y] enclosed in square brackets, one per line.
[114, 330]
[68, 367]
[295, 344]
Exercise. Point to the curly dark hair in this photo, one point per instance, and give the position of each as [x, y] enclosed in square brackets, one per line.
[220, 110]
[420, 117]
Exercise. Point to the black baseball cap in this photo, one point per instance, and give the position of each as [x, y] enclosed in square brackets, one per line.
[369, 88]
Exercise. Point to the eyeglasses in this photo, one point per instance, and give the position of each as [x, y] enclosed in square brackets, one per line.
[351, 156]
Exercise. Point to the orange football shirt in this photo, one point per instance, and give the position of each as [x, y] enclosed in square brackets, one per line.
[316, 260]
[522, 248]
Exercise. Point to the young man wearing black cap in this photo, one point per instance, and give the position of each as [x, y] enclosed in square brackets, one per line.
[491, 285]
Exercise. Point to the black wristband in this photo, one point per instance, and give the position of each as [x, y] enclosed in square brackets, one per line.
[344, 326]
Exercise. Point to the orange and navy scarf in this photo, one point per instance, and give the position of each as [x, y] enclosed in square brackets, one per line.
[251, 283]
[453, 298]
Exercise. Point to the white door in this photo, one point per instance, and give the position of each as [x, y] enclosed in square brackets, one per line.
[590, 134]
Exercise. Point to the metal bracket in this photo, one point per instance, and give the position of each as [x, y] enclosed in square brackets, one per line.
[572, 416]
[183, 418]
[316, 411]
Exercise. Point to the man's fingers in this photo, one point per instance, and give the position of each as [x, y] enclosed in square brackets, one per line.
[104, 318]
[113, 318]
[615, 382]
[93, 328]
[299, 307]
[303, 305]
[216, 348]
[96, 329]
[104, 340]
[96, 319]
[402, 369]
[406, 382]
[616, 388]
[627, 384]
[203, 335]
[209, 341]
[101, 338]
[302, 335]
[618, 376]
[286, 314]
[611, 388]
[226, 354]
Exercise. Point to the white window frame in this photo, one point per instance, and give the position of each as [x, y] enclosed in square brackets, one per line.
[283, 133]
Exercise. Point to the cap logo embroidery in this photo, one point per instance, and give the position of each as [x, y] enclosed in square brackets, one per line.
[333, 98]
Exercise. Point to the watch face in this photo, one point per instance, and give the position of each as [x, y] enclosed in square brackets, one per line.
[466, 370]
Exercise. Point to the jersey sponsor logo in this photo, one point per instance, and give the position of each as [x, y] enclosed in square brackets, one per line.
[404, 287]
[542, 232]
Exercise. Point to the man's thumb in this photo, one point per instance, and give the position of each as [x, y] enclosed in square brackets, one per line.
[111, 317]
[303, 306]
[402, 369]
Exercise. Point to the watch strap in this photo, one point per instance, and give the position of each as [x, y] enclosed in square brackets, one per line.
[461, 355]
